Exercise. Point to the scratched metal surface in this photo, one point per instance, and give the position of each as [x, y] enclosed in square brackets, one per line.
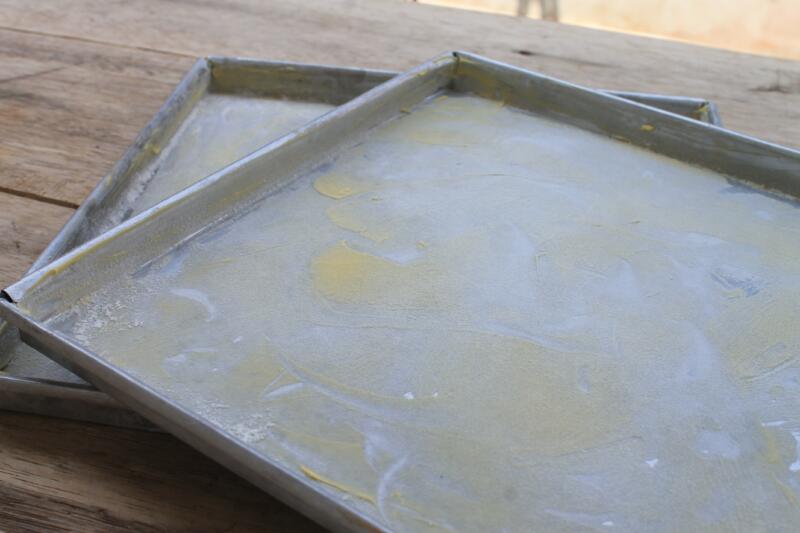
[472, 316]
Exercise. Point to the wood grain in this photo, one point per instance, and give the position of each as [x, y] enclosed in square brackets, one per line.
[756, 95]
[79, 78]
[26, 227]
[68, 110]
[66, 476]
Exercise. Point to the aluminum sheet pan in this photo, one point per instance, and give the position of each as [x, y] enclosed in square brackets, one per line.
[228, 107]
[474, 298]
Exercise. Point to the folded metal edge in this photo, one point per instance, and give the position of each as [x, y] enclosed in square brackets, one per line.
[334, 85]
[69, 402]
[697, 108]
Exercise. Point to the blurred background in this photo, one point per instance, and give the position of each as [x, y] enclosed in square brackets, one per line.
[766, 27]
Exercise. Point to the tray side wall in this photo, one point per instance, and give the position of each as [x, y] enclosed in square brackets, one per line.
[765, 165]
[330, 85]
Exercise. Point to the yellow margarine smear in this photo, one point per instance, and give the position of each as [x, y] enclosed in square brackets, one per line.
[344, 217]
[647, 127]
[702, 111]
[253, 373]
[345, 274]
[338, 186]
[787, 491]
[771, 452]
[153, 148]
[439, 138]
[310, 474]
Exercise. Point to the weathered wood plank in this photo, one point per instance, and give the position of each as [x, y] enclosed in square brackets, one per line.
[756, 95]
[66, 476]
[68, 110]
[26, 226]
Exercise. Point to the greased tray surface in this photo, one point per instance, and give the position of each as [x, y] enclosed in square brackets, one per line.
[224, 109]
[469, 317]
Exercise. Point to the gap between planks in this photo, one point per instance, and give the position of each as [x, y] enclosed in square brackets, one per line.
[38, 197]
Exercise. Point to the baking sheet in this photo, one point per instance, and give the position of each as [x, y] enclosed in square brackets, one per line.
[445, 306]
[223, 109]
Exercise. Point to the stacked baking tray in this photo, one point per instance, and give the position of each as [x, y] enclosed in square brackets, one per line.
[472, 298]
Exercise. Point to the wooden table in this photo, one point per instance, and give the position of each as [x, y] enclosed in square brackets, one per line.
[80, 78]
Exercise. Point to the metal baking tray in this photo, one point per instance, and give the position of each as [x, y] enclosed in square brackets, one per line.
[233, 106]
[473, 298]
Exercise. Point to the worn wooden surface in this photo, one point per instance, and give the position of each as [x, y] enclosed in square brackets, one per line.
[57, 475]
[78, 79]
